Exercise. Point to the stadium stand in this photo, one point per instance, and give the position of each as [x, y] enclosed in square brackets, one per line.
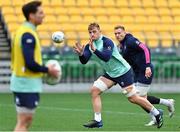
[74, 15]
[155, 22]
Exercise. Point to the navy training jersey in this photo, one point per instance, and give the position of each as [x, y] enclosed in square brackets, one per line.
[135, 53]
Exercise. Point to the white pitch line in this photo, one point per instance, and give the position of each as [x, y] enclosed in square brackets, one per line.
[86, 110]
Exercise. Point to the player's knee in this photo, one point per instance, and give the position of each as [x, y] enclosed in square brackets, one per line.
[95, 91]
[132, 99]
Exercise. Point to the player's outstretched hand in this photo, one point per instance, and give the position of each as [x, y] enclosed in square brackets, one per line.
[148, 72]
[78, 48]
[91, 44]
[53, 71]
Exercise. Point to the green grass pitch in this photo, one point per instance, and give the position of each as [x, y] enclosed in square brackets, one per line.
[67, 112]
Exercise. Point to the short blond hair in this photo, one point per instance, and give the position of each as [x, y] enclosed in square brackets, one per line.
[92, 25]
[119, 26]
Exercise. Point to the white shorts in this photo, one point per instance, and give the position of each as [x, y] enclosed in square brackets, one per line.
[142, 89]
[24, 110]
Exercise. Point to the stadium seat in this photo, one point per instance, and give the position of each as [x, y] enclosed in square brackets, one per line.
[60, 11]
[7, 10]
[74, 11]
[154, 19]
[174, 3]
[166, 39]
[135, 3]
[48, 10]
[161, 3]
[46, 42]
[112, 11]
[164, 11]
[50, 19]
[152, 39]
[138, 11]
[102, 19]
[5, 3]
[71, 3]
[62, 19]
[44, 34]
[86, 11]
[17, 2]
[108, 3]
[89, 18]
[125, 11]
[141, 19]
[122, 3]
[18, 10]
[56, 3]
[140, 35]
[114, 19]
[151, 11]
[10, 18]
[128, 19]
[99, 11]
[167, 19]
[175, 11]
[95, 3]
[148, 3]
[45, 2]
[83, 3]
[75, 19]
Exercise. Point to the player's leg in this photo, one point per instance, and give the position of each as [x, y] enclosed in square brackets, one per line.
[100, 85]
[130, 91]
[25, 107]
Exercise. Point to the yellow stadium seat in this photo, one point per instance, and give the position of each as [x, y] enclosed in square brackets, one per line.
[44, 34]
[149, 27]
[138, 11]
[7, 10]
[83, 3]
[95, 3]
[141, 19]
[114, 19]
[174, 3]
[81, 27]
[152, 39]
[175, 11]
[75, 18]
[161, 3]
[71, 37]
[5, 3]
[83, 35]
[98, 11]
[166, 39]
[45, 2]
[167, 19]
[164, 11]
[17, 2]
[163, 27]
[154, 19]
[48, 10]
[176, 37]
[135, 3]
[21, 18]
[128, 19]
[10, 18]
[18, 10]
[74, 11]
[69, 3]
[46, 42]
[63, 18]
[89, 19]
[148, 3]
[108, 3]
[112, 11]
[174, 28]
[102, 19]
[106, 27]
[56, 3]
[42, 27]
[132, 27]
[71, 42]
[125, 11]
[84, 41]
[151, 11]
[86, 11]
[122, 3]
[67, 27]
[50, 19]
[60, 11]
[177, 19]
[12, 27]
[53, 27]
[140, 36]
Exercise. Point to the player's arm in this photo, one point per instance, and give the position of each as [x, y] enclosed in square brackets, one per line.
[28, 47]
[84, 58]
[136, 44]
[106, 53]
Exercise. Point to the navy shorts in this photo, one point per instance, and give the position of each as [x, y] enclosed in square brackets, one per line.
[124, 80]
[139, 76]
[28, 100]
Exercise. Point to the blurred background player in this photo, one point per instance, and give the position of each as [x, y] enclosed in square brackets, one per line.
[27, 69]
[117, 70]
[138, 55]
